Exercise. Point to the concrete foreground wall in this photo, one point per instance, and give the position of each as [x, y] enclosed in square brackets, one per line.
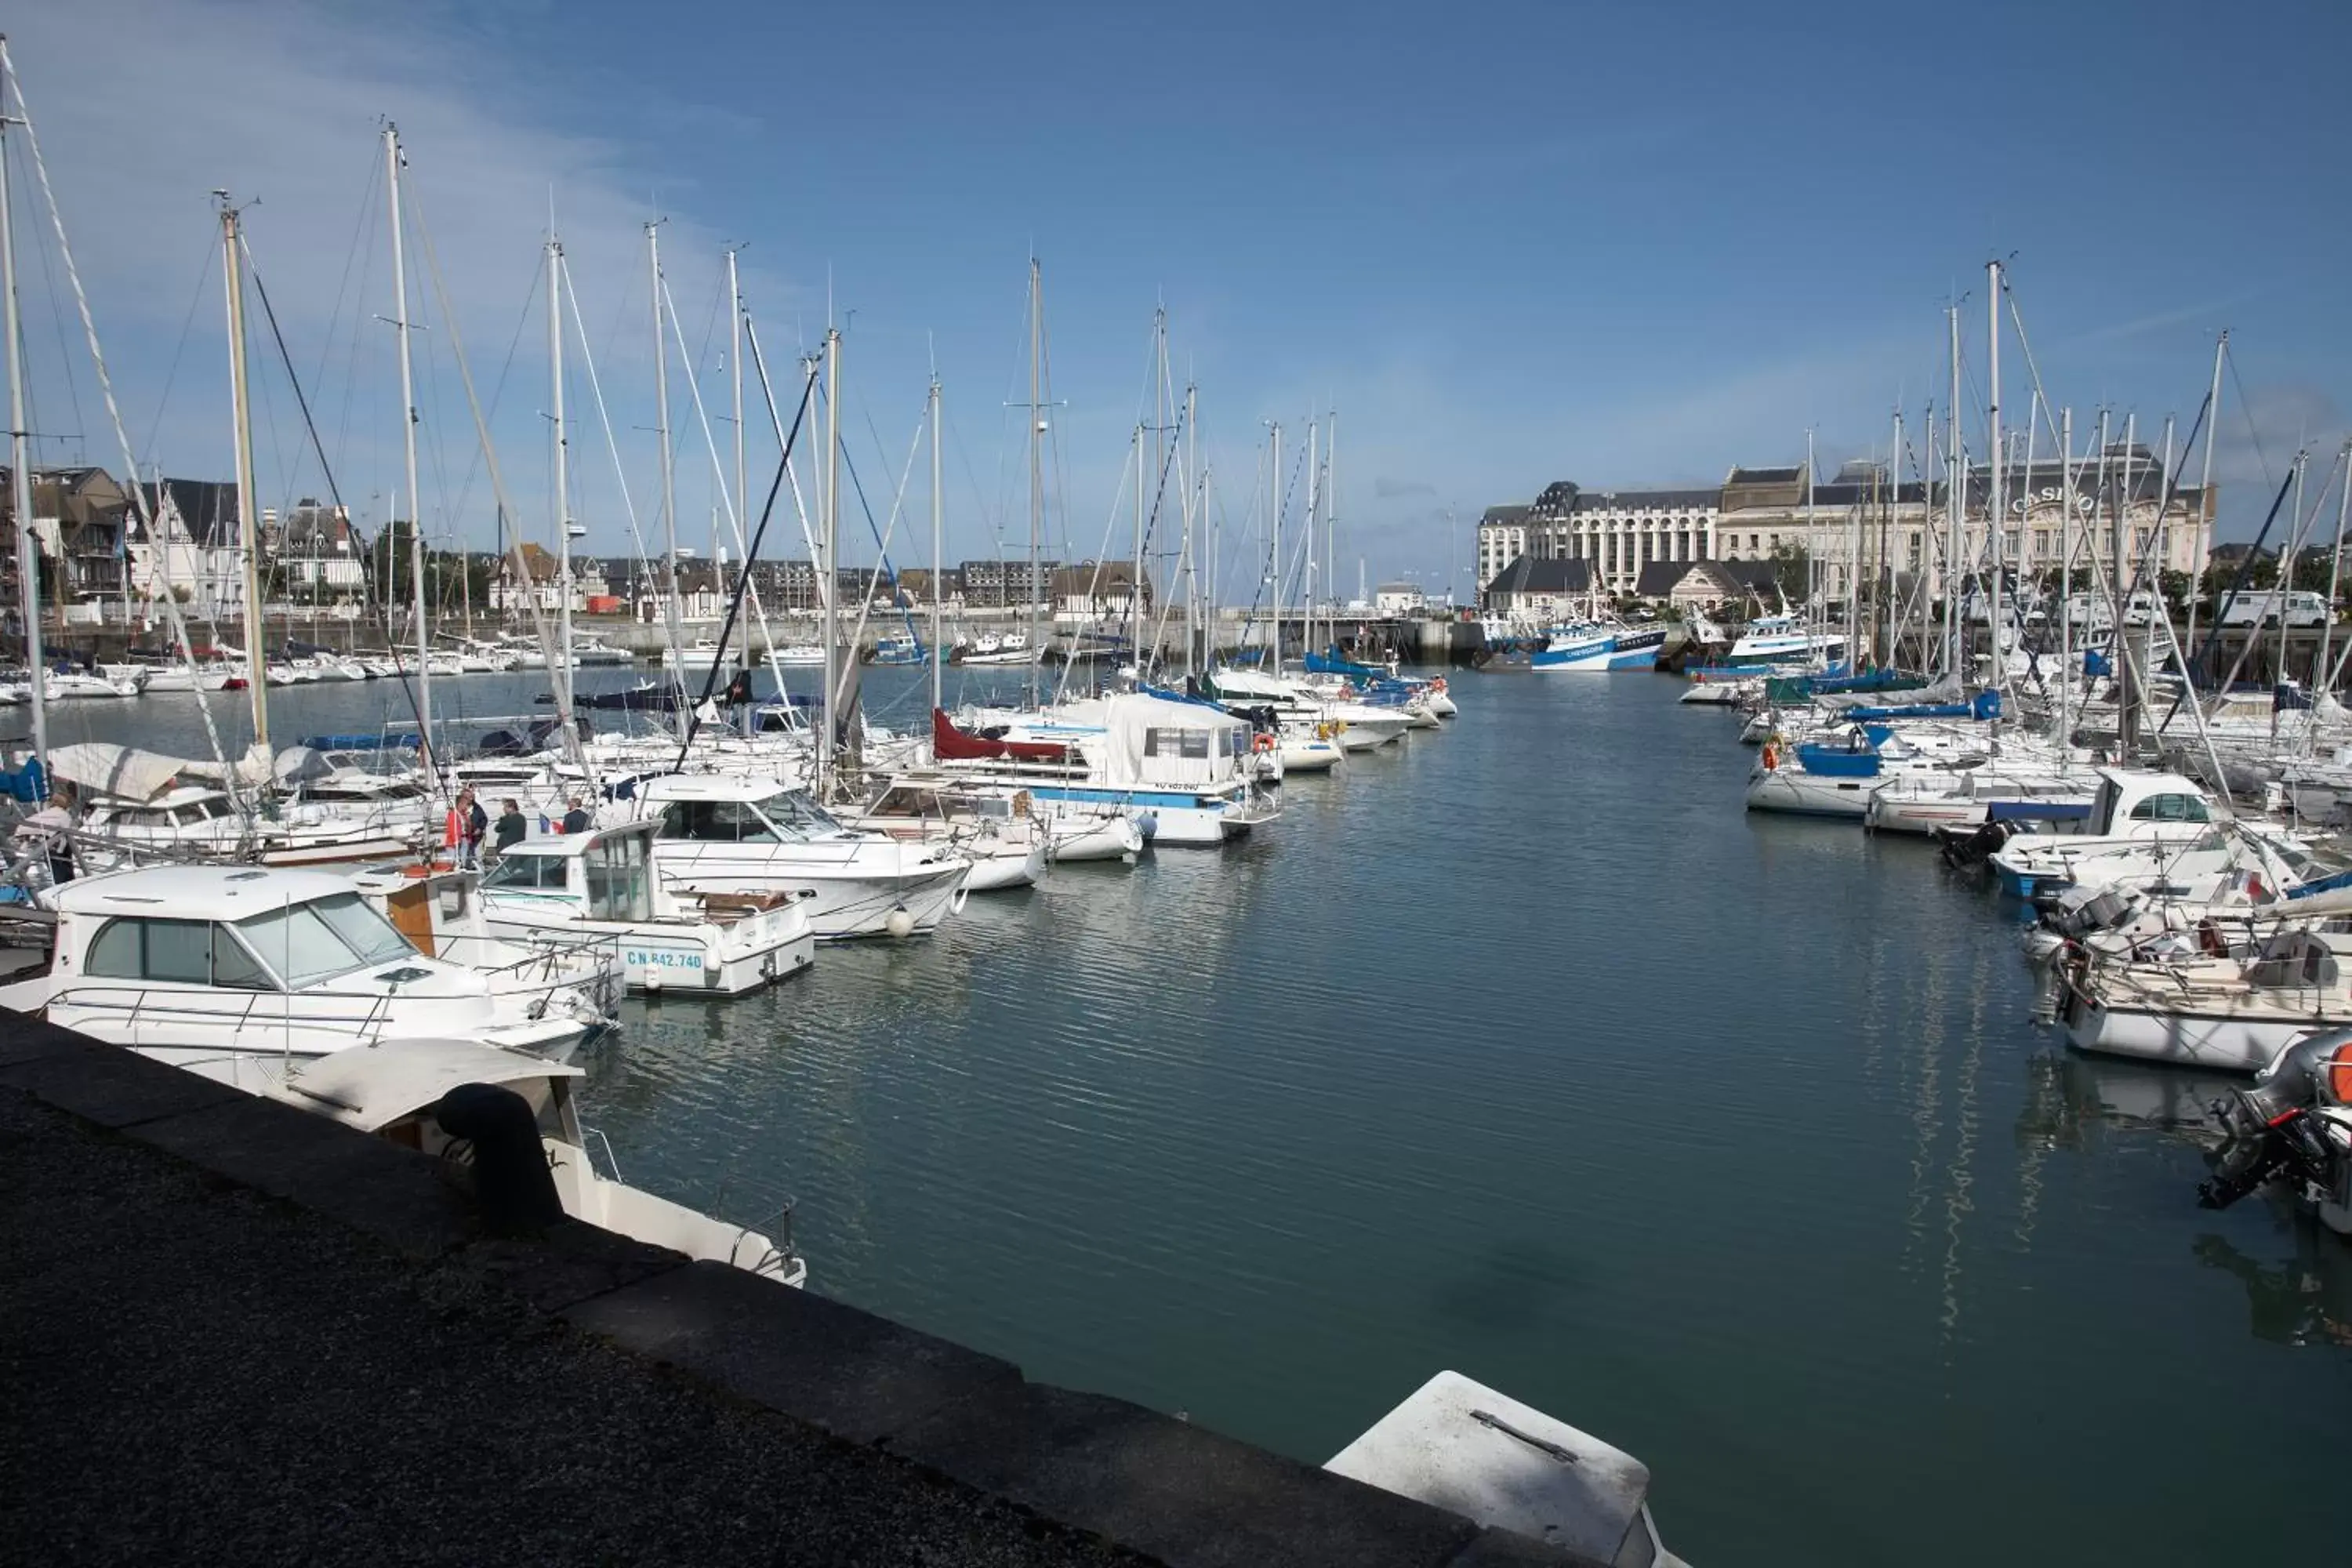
[235, 1331]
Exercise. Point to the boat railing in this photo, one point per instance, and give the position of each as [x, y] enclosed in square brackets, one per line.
[367, 1026]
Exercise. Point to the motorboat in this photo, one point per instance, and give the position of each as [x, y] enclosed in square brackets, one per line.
[1005, 843]
[201, 965]
[696, 658]
[719, 834]
[1183, 770]
[603, 884]
[402, 1091]
[800, 655]
[1011, 648]
[2129, 806]
[1784, 639]
[589, 650]
[437, 906]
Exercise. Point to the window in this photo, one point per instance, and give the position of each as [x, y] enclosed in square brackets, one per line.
[175, 952]
[364, 931]
[527, 872]
[298, 943]
[1151, 743]
[620, 883]
[2170, 808]
[236, 968]
[1195, 745]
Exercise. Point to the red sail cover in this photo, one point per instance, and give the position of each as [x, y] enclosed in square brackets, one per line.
[951, 744]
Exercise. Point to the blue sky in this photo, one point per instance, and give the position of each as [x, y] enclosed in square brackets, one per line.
[1509, 243]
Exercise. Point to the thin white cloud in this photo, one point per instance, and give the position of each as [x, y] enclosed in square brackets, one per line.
[145, 106]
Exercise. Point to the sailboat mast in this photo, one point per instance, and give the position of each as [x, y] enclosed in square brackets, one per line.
[408, 456]
[1274, 511]
[1193, 521]
[1135, 584]
[1331, 531]
[1996, 500]
[561, 674]
[2204, 508]
[1036, 466]
[938, 559]
[829, 578]
[735, 370]
[2321, 671]
[1956, 481]
[20, 474]
[1314, 498]
[668, 486]
[248, 535]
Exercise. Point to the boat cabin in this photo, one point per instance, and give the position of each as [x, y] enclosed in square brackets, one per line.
[2129, 803]
[607, 875]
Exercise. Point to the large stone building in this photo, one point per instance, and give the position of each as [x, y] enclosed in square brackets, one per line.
[1895, 531]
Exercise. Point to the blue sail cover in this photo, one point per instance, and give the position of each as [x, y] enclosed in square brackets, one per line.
[1331, 663]
[1829, 761]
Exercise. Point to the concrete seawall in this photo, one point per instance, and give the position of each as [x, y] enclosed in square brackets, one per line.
[234, 1330]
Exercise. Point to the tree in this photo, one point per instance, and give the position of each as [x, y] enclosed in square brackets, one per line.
[1792, 571]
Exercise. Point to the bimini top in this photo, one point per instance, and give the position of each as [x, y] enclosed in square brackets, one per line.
[370, 1087]
[196, 892]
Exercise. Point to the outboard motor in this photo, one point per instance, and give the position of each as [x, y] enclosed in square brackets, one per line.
[2103, 910]
[1972, 847]
[2290, 1126]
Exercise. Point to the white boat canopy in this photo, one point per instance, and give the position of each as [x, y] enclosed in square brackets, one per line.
[1151, 741]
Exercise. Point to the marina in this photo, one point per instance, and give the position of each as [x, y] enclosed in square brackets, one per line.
[817, 872]
[1417, 1069]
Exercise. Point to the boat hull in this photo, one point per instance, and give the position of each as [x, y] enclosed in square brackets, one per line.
[1795, 794]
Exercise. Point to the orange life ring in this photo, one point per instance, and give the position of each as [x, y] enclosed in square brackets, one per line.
[1771, 757]
[1261, 744]
[2339, 1074]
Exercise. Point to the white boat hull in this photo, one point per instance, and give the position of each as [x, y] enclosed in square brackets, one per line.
[998, 868]
[1796, 794]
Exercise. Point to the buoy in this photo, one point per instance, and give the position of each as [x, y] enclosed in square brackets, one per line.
[653, 979]
[898, 922]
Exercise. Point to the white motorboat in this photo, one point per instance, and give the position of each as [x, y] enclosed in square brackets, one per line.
[437, 906]
[2129, 807]
[200, 965]
[602, 884]
[696, 658]
[1183, 770]
[801, 655]
[1012, 647]
[184, 822]
[1005, 843]
[720, 833]
[589, 650]
[1783, 639]
[397, 1090]
[1306, 748]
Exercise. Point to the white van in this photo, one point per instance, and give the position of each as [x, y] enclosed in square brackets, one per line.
[2263, 608]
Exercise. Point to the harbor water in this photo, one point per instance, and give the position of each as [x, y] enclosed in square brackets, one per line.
[1519, 1049]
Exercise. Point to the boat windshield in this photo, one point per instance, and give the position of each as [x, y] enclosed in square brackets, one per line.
[532, 872]
[799, 817]
[716, 822]
[306, 943]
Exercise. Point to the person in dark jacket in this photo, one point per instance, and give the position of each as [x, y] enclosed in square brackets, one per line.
[473, 822]
[576, 819]
[510, 826]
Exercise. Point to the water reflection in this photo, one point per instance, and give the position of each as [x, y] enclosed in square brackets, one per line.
[2306, 1298]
